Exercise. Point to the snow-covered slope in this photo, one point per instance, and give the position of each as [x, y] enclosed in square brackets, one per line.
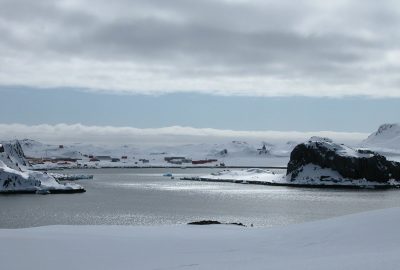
[39, 150]
[364, 241]
[12, 155]
[386, 139]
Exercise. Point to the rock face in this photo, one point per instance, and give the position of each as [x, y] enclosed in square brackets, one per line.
[345, 162]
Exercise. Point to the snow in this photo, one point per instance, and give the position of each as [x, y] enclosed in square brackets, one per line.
[366, 241]
[246, 175]
[386, 141]
[13, 155]
[311, 175]
[339, 149]
[70, 177]
[238, 153]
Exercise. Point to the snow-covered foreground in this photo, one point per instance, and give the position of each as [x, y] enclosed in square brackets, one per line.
[365, 241]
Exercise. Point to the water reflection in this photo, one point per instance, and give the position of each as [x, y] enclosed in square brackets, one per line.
[145, 197]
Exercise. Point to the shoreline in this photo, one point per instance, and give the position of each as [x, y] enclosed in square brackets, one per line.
[293, 185]
[55, 191]
[164, 167]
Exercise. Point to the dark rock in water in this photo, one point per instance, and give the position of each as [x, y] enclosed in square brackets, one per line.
[214, 222]
[204, 222]
[349, 163]
[236, 223]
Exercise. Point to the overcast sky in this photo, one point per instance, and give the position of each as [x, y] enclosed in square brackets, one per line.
[227, 47]
[236, 65]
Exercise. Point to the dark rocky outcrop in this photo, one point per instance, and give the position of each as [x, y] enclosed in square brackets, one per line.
[214, 222]
[349, 163]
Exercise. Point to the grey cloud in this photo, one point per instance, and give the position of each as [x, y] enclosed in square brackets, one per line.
[62, 133]
[306, 41]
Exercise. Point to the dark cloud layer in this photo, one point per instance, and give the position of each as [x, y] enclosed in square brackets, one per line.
[227, 47]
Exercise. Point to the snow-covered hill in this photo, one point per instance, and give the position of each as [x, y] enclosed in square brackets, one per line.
[385, 139]
[34, 148]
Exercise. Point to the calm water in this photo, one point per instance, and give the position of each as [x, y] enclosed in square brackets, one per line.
[145, 197]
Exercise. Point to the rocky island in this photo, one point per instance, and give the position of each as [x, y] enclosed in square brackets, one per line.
[17, 177]
[322, 161]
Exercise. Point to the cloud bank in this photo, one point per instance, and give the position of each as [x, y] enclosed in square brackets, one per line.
[78, 133]
[235, 47]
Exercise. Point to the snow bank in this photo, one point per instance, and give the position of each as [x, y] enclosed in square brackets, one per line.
[70, 177]
[365, 241]
[311, 176]
[245, 176]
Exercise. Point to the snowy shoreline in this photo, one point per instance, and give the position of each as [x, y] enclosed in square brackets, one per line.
[288, 184]
[258, 176]
[367, 240]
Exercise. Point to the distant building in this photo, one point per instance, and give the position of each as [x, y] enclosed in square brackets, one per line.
[124, 157]
[115, 160]
[143, 160]
[93, 160]
[61, 146]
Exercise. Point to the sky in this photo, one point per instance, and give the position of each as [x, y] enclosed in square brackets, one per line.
[234, 65]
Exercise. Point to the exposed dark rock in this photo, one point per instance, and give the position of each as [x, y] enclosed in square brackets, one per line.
[349, 163]
[204, 222]
[223, 152]
[214, 222]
